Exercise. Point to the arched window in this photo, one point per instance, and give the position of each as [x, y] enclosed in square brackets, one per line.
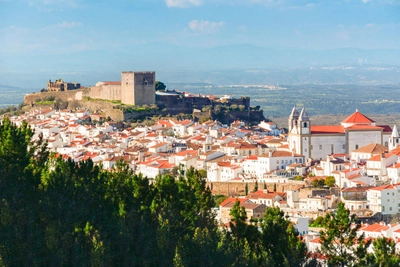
[305, 124]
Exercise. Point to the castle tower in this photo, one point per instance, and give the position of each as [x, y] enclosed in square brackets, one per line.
[394, 139]
[138, 88]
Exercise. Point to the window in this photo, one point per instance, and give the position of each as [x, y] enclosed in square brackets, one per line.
[305, 150]
[356, 146]
[344, 146]
[320, 146]
[305, 124]
[383, 208]
[311, 147]
[390, 208]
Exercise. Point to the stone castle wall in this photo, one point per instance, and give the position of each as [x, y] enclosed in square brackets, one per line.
[77, 94]
[109, 92]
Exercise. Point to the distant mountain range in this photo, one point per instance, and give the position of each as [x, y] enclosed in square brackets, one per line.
[231, 64]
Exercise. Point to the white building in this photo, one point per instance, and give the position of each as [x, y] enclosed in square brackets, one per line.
[384, 199]
[317, 141]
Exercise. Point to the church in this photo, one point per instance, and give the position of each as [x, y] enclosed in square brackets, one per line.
[317, 141]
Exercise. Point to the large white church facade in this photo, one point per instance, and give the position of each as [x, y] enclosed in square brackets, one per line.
[317, 141]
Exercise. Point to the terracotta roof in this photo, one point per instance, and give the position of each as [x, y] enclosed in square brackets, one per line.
[232, 199]
[383, 187]
[373, 148]
[364, 128]
[326, 129]
[357, 117]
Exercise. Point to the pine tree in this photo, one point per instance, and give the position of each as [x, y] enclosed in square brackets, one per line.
[339, 241]
[290, 250]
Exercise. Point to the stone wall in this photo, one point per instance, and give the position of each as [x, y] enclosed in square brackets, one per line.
[78, 94]
[109, 92]
[239, 188]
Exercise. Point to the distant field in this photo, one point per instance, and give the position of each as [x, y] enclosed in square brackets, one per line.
[317, 99]
[12, 97]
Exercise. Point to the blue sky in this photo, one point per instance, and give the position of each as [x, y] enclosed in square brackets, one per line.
[62, 27]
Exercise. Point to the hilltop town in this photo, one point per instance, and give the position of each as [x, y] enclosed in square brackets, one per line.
[305, 171]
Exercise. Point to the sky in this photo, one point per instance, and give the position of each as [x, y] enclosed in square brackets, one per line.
[31, 29]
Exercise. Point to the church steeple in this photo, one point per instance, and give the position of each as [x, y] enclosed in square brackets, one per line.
[294, 114]
[303, 115]
[293, 117]
[394, 139]
[395, 132]
[304, 122]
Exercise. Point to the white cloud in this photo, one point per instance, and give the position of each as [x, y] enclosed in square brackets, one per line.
[366, 1]
[183, 3]
[204, 26]
[68, 24]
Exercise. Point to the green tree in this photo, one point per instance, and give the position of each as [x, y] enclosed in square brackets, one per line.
[246, 189]
[160, 86]
[244, 237]
[330, 181]
[384, 253]
[290, 250]
[339, 241]
[21, 162]
[255, 186]
[298, 178]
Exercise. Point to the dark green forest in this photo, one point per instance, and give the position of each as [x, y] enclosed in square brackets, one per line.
[64, 213]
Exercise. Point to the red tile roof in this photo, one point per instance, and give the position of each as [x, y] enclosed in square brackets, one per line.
[357, 117]
[326, 129]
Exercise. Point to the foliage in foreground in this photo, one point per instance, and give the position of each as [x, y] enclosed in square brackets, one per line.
[65, 213]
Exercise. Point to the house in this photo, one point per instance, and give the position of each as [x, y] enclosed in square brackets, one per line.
[366, 152]
[393, 173]
[265, 197]
[253, 210]
[377, 165]
[384, 199]
[355, 198]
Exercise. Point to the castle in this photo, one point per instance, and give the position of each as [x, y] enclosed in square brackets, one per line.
[135, 88]
[317, 141]
[138, 88]
[59, 85]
